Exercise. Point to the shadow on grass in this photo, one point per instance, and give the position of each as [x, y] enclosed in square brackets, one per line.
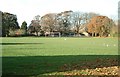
[25, 66]
[20, 43]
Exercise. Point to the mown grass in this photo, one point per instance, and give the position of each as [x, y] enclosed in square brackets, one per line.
[58, 46]
[42, 56]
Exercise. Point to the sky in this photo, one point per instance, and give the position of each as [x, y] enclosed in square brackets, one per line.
[27, 9]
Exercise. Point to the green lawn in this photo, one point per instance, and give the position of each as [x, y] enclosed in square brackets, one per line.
[59, 46]
[44, 56]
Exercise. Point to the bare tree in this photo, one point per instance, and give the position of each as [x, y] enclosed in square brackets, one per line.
[35, 26]
[63, 22]
[77, 19]
[48, 22]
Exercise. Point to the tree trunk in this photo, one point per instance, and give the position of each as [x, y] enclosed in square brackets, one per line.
[77, 30]
[92, 34]
[95, 34]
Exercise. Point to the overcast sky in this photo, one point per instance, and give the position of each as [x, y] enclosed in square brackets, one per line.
[27, 9]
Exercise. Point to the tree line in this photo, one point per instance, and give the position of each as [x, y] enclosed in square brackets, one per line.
[67, 23]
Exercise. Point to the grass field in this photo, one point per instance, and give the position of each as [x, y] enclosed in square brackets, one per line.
[56, 56]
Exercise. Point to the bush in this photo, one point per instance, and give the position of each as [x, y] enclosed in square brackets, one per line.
[21, 32]
[11, 32]
[17, 32]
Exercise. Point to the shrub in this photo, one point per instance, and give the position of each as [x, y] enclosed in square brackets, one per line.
[17, 32]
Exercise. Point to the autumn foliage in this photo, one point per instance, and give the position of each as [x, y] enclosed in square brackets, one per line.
[100, 26]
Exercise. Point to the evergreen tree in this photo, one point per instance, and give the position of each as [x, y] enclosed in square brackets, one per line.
[24, 26]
